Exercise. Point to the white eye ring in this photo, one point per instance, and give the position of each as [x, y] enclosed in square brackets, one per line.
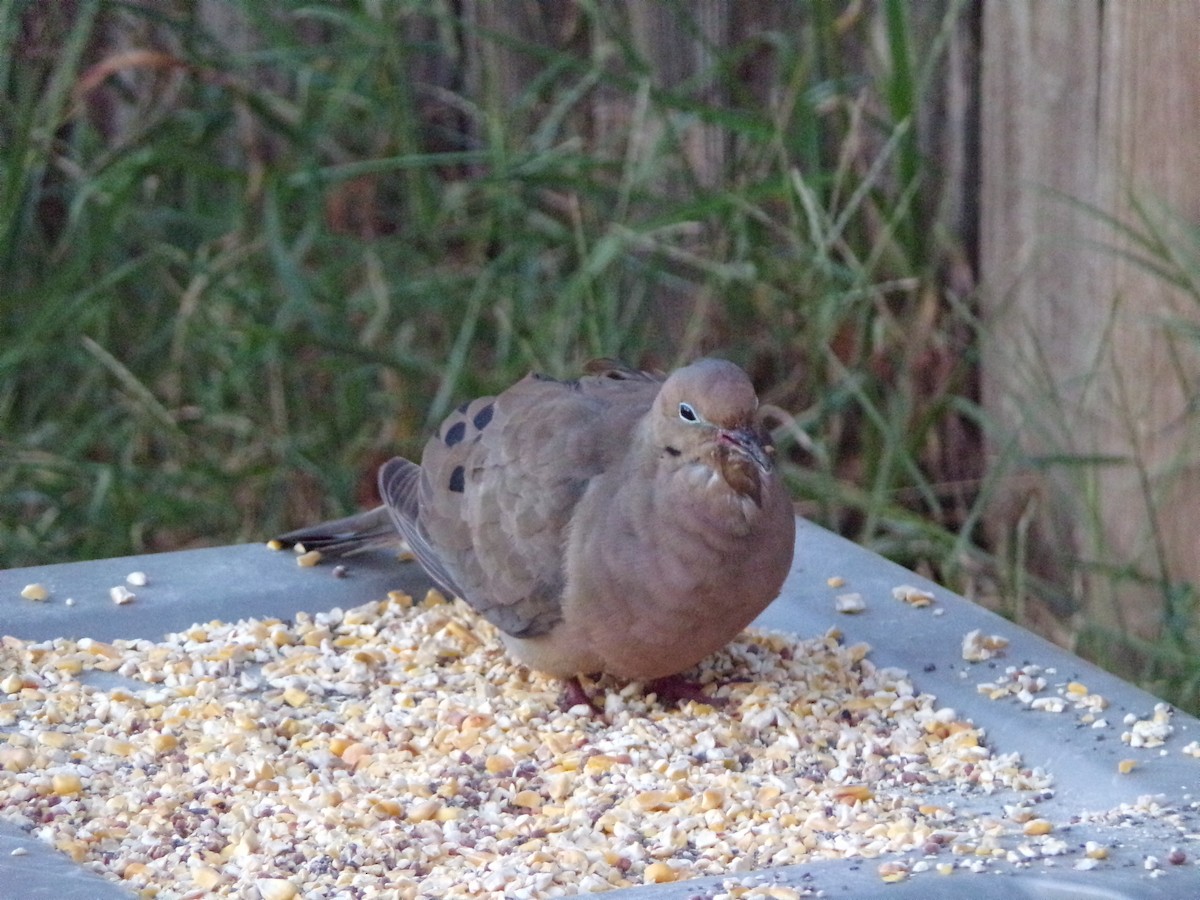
[687, 413]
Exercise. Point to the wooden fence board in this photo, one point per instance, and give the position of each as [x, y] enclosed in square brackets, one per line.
[1088, 108]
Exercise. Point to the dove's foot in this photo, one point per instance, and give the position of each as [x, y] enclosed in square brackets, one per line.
[574, 695]
[677, 690]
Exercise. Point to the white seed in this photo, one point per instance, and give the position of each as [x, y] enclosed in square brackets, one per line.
[913, 596]
[121, 595]
[1048, 704]
[978, 647]
[849, 603]
[136, 579]
[276, 889]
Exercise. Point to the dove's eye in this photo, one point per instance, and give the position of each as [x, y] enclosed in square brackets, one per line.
[687, 413]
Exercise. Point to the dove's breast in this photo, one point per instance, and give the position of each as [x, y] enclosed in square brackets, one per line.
[654, 584]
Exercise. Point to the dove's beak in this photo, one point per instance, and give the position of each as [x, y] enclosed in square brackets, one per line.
[751, 441]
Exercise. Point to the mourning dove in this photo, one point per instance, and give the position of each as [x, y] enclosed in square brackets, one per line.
[618, 523]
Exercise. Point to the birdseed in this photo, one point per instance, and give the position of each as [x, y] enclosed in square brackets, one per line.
[308, 559]
[913, 596]
[849, 603]
[1027, 685]
[35, 592]
[978, 647]
[1152, 732]
[393, 748]
[121, 595]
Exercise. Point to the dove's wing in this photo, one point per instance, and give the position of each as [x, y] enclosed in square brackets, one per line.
[498, 485]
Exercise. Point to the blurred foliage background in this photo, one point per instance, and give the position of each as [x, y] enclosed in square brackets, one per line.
[251, 250]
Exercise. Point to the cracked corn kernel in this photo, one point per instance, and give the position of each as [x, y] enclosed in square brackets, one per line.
[163, 743]
[308, 559]
[389, 807]
[355, 754]
[56, 740]
[400, 598]
[978, 647]
[647, 801]
[529, 799]
[65, 784]
[35, 592]
[135, 870]
[849, 603]
[913, 596]
[1037, 827]
[69, 665]
[660, 873]
[598, 764]
[712, 799]
[121, 595]
[206, 877]
[295, 697]
[496, 765]
[1126, 766]
[15, 759]
[424, 811]
[276, 889]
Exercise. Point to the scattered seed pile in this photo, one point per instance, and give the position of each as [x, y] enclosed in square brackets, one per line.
[394, 747]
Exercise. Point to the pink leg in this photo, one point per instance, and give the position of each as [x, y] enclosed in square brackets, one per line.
[573, 695]
[677, 689]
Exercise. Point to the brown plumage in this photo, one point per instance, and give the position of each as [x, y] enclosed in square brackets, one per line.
[619, 523]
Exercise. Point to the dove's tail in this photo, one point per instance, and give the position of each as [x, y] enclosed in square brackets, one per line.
[399, 484]
[371, 530]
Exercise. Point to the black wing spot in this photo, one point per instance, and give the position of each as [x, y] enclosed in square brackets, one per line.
[455, 433]
[462, 407]
[457, 480]
[673, 451]
[483, 417]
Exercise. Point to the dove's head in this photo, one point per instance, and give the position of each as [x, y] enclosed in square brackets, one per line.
[707, 414]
